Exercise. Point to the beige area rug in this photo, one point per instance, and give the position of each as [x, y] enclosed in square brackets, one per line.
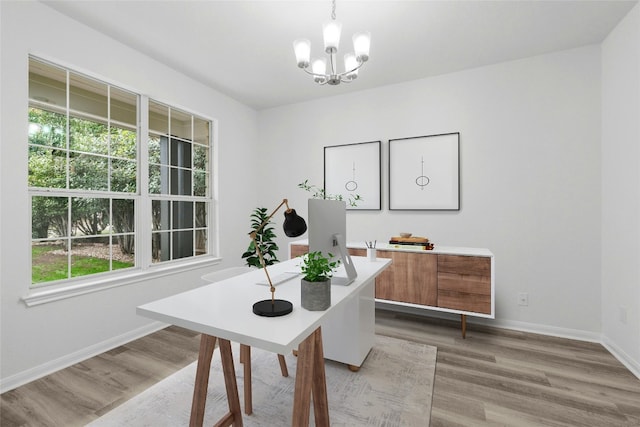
[393, 388]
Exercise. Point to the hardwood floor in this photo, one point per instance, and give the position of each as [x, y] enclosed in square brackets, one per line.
[494, 377]
[497, 377]
[83, 392]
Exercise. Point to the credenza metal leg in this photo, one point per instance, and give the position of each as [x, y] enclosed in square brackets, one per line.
[463, 319]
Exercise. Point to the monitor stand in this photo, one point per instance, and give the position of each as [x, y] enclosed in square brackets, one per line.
[338, 240]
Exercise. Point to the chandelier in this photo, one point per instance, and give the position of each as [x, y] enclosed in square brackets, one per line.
[331, 34]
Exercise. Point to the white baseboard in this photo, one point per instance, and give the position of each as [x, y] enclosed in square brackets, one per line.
[52, 366]
[535, 328]
[622, 356]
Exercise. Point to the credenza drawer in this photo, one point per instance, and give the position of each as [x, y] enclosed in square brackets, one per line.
[464, 283]
[464, 301]
[464, 265]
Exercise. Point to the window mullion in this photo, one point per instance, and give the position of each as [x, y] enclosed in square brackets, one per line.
[68, 130]
[143, 208]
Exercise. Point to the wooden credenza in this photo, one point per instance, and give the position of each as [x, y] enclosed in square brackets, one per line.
[448, 279]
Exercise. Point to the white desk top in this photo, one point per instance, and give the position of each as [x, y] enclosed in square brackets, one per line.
[224, 309]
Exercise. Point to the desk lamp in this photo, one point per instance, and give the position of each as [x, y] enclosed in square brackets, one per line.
[293, 226]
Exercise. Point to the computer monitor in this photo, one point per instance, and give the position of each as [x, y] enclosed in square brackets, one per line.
[328, 234]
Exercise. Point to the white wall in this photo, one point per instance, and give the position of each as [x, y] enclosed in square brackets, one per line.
[530, 174]
[42, 338]
[621, 189]
[530, 179]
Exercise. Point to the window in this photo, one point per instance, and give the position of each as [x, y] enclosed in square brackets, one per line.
[88, 212]
[178, 176]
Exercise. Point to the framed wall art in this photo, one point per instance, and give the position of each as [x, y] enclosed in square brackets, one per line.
[424, 172]
[354, 169]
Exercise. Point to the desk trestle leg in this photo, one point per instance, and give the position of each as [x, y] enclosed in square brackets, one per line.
[234, 416]
[245, 359]
[310, 380]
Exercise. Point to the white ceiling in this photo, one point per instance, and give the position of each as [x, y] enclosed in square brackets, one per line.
[244, 48]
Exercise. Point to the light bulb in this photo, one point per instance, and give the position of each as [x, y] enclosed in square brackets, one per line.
[331, 34]
[350, 62]
[319, 66]
[302, 48]
[361, 44]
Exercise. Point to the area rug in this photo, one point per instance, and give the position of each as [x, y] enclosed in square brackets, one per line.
[393, 387]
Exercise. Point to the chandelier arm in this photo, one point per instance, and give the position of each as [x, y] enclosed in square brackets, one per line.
[360, 64]
[311, 73]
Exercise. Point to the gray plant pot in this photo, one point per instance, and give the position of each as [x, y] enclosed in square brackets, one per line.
[315, 296]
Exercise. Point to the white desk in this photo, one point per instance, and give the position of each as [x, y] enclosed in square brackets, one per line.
[223, 311]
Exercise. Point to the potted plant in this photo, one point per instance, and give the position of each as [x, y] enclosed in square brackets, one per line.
[317, 271]
[264, 238]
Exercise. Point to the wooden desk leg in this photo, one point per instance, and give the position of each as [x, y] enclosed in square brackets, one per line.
[207, 344]
[319, 390]
[245, 358]
[310, 379]
[283, 366]
[234, 416]
[463, 318]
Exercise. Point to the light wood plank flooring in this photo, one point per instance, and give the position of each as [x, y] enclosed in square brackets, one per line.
[494, 377]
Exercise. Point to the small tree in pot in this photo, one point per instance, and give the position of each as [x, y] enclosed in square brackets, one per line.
[316, 283]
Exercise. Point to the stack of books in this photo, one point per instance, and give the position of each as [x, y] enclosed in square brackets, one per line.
[415, 242]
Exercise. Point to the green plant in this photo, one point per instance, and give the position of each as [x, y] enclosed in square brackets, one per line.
[317, 268]
[319, 193]
[264, 239]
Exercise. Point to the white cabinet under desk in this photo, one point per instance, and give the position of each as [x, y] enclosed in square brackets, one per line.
[448, 279]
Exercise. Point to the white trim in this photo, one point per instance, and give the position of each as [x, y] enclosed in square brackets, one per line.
[553, 331]
[622, 356]
[43, 296]
[534, 328]
[144, 267]
[389, 303]
[55, 365]
[29, 375]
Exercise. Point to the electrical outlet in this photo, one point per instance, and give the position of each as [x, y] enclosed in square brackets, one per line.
[623, 315]
[523, 298]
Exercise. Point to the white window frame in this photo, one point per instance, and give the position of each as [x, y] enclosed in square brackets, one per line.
[144, 268]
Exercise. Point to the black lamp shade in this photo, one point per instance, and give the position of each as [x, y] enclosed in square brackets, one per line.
[294, 225]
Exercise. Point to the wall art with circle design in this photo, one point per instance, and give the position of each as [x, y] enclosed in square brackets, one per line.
[424, 172]
[354, 169]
